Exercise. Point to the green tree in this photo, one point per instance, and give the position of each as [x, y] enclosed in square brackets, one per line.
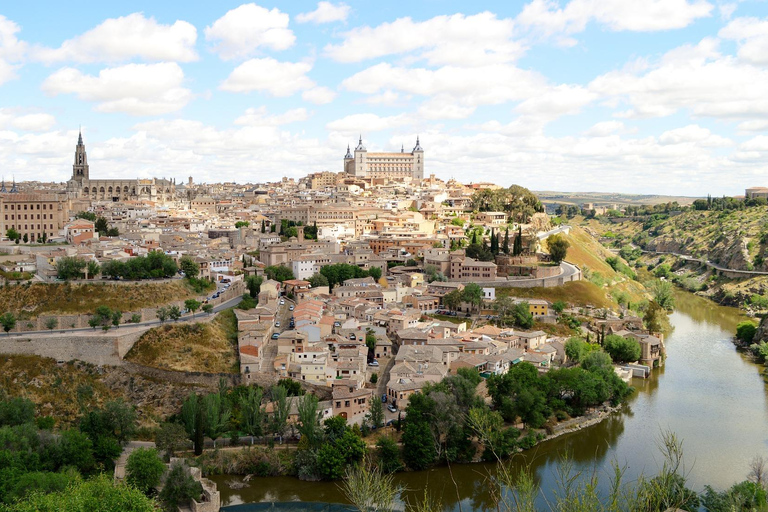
[174, 312]
[252, 414]
[162, 314]
[521, 315]
[25, 238]
[452, 300]
[376, 413]
[192, 305]
[318, 280]
[190, 268]
[102, 226]
[16, 411]
[93, 268]
[278, 273]
[193, 419]
[517, 248]
[242, 224]
[99, 494]
[473, 295]
[662, 293]
[388, 455]
[559, 306]
[596, 360]
[253, 283]
[375, 273]
[207, 308]
[280, 410]
[622, 350]
[179, 488]
[8, 321]
[505, 245]
[558, 248]
[419, 450]
[143, 469]
[263, 226]
[654, 317]
[51, 323]
[117, 317]
[13, 235]
[70, 267]
[217, 415]
[171, 438]
[309, 420]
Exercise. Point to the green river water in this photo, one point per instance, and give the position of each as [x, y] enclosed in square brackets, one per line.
[707, 393]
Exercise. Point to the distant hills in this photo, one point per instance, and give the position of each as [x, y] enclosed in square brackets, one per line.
[604, 198]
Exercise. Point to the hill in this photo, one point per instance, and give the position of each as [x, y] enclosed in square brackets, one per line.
[35, 299]
[190, 347]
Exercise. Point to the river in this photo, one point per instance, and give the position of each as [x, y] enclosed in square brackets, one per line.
[711, 396]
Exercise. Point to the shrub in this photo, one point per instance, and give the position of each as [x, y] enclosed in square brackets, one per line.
[144, 469]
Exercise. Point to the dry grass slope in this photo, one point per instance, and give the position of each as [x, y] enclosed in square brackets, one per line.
[58, 391]
[198, 347]
[73, 298]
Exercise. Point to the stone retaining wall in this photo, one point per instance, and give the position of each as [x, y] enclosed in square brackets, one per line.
[97, 348]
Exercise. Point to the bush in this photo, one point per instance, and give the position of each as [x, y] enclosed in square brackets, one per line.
[179, 488]
[622, 350]
[144, 469]
[745, 332]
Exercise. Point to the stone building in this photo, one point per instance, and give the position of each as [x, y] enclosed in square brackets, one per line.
[81, 186]
[39, 216]
[385, 165]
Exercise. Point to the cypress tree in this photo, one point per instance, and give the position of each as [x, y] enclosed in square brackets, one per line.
[263, 226]
[494, 243]
[505, 247]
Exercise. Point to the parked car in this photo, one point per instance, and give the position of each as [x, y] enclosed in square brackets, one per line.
[275, 335]
[290, 308]
[384, 398]
[277, 324]
[391, 408]
[373, 363]
[282, 302]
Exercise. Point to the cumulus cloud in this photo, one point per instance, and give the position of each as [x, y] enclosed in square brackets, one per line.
[695, 78]
[243, 31]
[318, 95]
[124, 38]
[548, 18]
[357, 123]
[260, 117]
[16, 118]
[136, 89]
[475, 40]
[269, 75]
[326, 12]
[752, 37]
[694, 134]
[12, 50]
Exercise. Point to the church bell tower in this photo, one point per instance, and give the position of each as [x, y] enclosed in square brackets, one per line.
[80, 167]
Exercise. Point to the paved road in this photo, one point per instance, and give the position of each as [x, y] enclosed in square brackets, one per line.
[560, 229]
[707, 262]
[221, 307]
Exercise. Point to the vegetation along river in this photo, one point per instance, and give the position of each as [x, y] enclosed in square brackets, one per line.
[707, 393]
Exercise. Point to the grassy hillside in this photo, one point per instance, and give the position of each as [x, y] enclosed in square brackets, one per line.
[586, 252]
[72, 298]
[199, 347]
[577, 293]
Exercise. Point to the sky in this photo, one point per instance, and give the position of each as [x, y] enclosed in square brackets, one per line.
[643, 97]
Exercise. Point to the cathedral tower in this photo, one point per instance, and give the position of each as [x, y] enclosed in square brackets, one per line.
[80, 167]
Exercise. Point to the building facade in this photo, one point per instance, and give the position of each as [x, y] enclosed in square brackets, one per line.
[385, 165]
[38, 216]
[81, 186]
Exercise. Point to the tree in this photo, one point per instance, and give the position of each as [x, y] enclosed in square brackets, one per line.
[505, 245]
[97, 494]
[280, 410]
[242, 224]
[171, 438]
[207, 308]
[662, 293]
[70, 267]
[278, 273]
[622, 350]
[253, 283]
[375, 273]
[596, 360]
[558, 248]
[174, 312]
[192, 305]
[193, 419]
[473, 295]
[263, 226]
[162, 314]
[25, 238]
[517, 248]
[309, 420]
[654, 317]
[51, 323]
[376, 413]
[13, 235]
[217, 415]
[388, 455]
[179, 488]
[745, 332]
[334, 457]
[503, 306]
[452, 300]
[419, 450]
[318, 280]
[190, 268]
[16, 411]
[117, 317]
[559, 306]
[93, 268]
[521, 315]
[101, 225]
[251, 413]
[8, 321]
[144, 469]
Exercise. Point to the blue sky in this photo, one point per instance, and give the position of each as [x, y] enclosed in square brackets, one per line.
[658, 97]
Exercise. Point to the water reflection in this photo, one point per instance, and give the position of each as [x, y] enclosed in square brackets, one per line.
[711, 396]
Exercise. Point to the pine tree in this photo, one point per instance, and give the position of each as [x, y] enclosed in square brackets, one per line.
[505, 247]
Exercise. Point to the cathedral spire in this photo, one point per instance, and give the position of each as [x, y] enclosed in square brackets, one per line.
[80, 138]
[2, 188]
[14, 189]
[418, 146]
[349, 153]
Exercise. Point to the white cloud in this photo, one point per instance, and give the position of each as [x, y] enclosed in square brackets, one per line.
[12, 50]
[259, 117]
[547, 18]
[326, 12]
[137, 89]
[388, 98]
[756, 125]
[557, 101]
[752, 36]
[485, 85]
[366, 123]
[318, 95]
[694, 134]
[476, 40]
[34, 122]
[605, 128]
[695, 78]
[125, 38]
[244, 30]
[269, 75]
